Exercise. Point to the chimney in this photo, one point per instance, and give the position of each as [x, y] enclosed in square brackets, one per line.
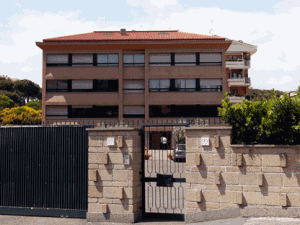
[123, 31]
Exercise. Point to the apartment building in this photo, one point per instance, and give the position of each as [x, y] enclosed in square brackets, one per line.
[238, 62]
[110, 75]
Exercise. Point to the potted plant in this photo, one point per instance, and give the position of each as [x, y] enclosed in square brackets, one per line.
[179, 134]
[147, 156]
[170, 156]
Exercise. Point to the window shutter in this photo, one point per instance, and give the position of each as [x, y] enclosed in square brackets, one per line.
[172, 85]
[70, 60]
[69, 85]
[197, 58]
[69, 111]
[94, 59]
[172, 59]
[197, 84]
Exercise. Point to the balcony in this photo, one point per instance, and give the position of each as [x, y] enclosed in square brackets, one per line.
[238, 99]
[239, 82]
[238, 64]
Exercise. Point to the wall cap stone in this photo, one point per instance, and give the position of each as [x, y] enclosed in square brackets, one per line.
[263, 146]
[208, 128]
[113, 129]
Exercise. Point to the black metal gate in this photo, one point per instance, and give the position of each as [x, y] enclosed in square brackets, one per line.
[163, 177]
[43, 170]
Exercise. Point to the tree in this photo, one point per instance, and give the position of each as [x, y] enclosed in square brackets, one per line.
[27, 89]
[259, 95]
[21, 115]
[6, 85]
[6, 102]
[273, 121]
[36, 105]
[12, 95]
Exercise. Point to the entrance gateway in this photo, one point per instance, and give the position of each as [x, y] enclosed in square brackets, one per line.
[163, 178]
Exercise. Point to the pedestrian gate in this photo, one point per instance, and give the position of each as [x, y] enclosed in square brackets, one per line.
[163, 175]
[43, 170]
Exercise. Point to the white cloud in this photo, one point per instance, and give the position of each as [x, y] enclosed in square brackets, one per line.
[284, 80]
[272, 80]
[275, 64]
[26, 69]
[162, 3]
[133, 2]
[18, 4]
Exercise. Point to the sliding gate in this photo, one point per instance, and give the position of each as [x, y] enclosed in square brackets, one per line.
[163, 174]
[43, 170]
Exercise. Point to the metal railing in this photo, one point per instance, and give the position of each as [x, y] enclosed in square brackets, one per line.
[136, 122]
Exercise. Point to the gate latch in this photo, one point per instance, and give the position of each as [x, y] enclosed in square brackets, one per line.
[164, 180]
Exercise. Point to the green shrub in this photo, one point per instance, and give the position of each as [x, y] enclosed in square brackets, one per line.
[21, 115]
[37, 105]
[273, 121]
[6, 102]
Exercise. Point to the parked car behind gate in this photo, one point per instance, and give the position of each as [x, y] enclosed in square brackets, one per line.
[179, 153]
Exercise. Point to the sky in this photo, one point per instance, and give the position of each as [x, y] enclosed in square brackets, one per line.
[272, 25]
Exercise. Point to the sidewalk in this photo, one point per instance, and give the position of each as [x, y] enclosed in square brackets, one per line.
[30, 220]
[24, 220]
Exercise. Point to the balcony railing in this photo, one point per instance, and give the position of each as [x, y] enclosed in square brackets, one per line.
[237, 63]
[239, 81]
[238, 98]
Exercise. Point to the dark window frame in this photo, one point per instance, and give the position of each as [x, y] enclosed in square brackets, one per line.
[94, 112]
[112, 87]
[173, 88]
[133, 64]
[164, 63]
[57, 89]
[160, 89]
[197, 63]
[105, 64]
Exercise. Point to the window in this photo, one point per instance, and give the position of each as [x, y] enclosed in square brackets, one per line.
[82, 85]
[56, 112]
[160, 60]
[82, 60]
[108, 60]
[134, 86]
[57, 60]
[134, 60]
[185, 59]
[234, 92]
[160, 111]
[56, 85]
[185, 84]
[159, 85]
[211, 59]
[134, 111]
[94, 111]
[211, 84]
[107, 85]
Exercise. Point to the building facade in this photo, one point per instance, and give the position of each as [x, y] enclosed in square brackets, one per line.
[238, 62]
[138, 75]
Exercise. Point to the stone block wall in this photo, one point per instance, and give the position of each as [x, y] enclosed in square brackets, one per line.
[234, 180]
[114, 189]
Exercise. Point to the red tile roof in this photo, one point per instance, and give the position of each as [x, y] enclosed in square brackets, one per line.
[104, 36]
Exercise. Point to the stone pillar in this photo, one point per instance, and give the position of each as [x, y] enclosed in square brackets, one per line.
[115, 189]
[204, 162]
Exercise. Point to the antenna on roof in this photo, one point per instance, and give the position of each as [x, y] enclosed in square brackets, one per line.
[211, 30]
